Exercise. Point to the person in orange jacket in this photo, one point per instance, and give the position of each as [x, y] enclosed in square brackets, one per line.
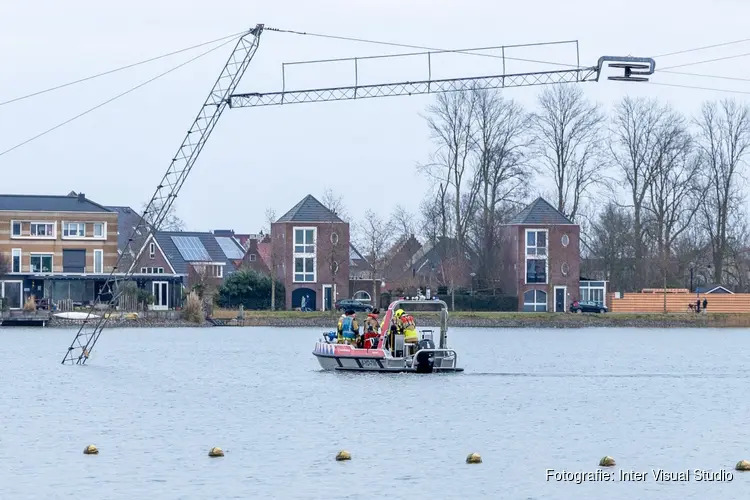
[371, 329]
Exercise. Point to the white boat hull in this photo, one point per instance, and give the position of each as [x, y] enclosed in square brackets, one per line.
[75, 315]
[342, 357]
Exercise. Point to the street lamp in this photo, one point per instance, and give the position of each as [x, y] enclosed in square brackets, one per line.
[472, 283]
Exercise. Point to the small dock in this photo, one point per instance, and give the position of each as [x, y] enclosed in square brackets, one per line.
[24, 318]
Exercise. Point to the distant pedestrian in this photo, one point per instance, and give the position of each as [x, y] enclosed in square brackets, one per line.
[698, 305]
[705, 304]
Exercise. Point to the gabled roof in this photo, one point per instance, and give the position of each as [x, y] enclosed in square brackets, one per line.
[540, 212]
[712, 289]
[309, 210]
[127, 220]
[49, 203]
[208, 242]
[357, 260]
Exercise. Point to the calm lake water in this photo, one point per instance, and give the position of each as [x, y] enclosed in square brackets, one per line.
[156, 401]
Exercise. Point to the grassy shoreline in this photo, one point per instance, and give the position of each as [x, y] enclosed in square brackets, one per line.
[510, 319]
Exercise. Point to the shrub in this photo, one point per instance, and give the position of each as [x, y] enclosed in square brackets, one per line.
[193, 309]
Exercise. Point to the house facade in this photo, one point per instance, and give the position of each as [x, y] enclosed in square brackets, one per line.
[541, 258]
[203, 260]
[152, 271]
[57, 248]
[310, 249]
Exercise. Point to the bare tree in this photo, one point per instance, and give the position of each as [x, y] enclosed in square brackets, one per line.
[171, 221]
[635, 132]
[673, 193]
[372, 237]
[435, 214]
[502, 147]
[335, 203]
[723, 140]
[273, 254]
[402, 222]
[5, 265]
[335, 249]
[451, 122]
[569, 133]
[611, 253]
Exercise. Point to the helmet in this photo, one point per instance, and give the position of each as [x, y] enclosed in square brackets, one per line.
[399, 313]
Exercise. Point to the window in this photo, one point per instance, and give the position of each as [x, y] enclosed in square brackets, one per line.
[593, 291]
[304, 269]
[98, 261]
[15, 260]
[535, 301]
[16, 228]
[99, 230]
[74, 229]
[334, 238]
[536, 256]
[218, 271]
[334, 267]
[152, 250]
[41, 262]
[152, 270]
[42, 229]
[304, 240]
[564, 268]
[251, 257]
[304, 255]
[565, 240]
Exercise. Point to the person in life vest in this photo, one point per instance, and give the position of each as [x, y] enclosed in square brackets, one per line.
[348, 329]
[406, 325]
[371, 329]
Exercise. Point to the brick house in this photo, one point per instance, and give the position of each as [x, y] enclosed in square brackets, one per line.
[312, 245]
[541, 258]
[59, 247]
[202, 259]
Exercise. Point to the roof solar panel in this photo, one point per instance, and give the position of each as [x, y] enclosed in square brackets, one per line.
[229, 247]
[191, 248]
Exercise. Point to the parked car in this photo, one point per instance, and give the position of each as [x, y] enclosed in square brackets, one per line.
[355, 305]
[587, 306]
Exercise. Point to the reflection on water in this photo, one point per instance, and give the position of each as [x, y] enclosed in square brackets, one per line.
[156, 401]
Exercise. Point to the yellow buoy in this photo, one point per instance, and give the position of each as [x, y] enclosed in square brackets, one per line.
[607, 462]
[474, 458]
[216, 452]
[743, 465]
[91, 450]
[343, 455]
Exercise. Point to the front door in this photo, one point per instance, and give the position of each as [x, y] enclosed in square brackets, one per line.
[161, 295]
[560, 292]
[327, 297]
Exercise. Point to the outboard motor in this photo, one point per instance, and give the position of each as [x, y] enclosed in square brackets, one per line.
[425, 361]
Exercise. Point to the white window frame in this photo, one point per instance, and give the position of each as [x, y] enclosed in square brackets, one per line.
[152, 250]
[100, 253]
[41, 254]
[16, 252]
[536, 304]
[305, 254]
[79, 226]
[52, 236]
[304, 273]
[103, 225]
[251, 257]
[218, 271]
[531, 252]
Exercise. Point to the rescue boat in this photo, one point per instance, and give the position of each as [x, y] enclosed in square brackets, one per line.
[422, 357]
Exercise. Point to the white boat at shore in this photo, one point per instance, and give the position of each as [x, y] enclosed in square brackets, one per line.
[75, 315]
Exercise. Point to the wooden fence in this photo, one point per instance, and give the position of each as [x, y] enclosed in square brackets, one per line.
[678, 302]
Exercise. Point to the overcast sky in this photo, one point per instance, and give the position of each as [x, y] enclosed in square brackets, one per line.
[272, 157]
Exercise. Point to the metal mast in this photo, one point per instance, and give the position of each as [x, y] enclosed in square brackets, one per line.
[168, 188]
[634, 70]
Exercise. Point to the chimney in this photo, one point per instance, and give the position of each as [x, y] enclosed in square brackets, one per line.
[81, 197]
